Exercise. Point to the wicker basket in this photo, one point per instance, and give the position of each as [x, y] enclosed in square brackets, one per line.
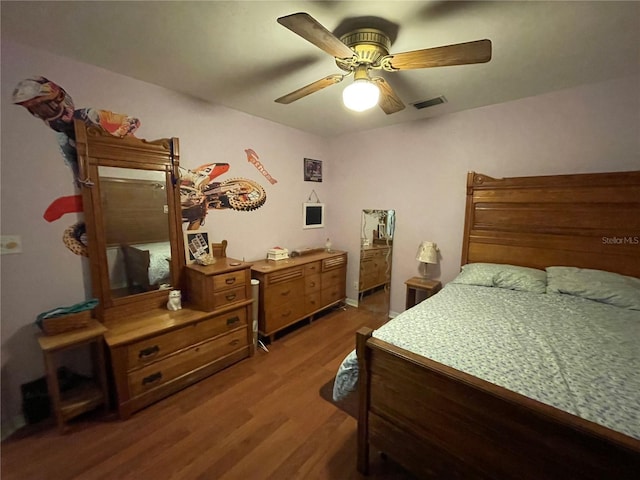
[65, 323]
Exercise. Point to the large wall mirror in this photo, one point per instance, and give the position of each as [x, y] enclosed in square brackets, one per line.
[376, 248]
[136, 230]
[132, 214]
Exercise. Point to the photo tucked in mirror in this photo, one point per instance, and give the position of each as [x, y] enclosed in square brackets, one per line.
[376, 248]
[136, 226]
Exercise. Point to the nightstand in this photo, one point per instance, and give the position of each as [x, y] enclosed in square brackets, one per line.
[88, 395]
[416, 284]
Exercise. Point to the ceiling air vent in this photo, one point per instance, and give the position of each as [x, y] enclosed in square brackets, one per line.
[430, 103]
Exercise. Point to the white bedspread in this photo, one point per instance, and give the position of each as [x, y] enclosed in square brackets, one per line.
[578, 355]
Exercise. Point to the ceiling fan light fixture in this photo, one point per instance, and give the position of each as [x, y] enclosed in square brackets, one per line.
[361, 95]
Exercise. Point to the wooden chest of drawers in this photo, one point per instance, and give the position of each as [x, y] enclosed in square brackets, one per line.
[217, 286]
[375, 267]
[160, 352]
[296, 288]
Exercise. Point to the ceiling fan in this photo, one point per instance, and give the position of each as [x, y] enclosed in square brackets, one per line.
[366, 49]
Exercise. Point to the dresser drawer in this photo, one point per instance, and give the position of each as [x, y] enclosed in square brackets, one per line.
[312, 283]
[230, 296]
[333, 293]
[367, 255]
[312, 268]
[368, 266]
[312, 302]
[150, 349]
[220, 324]
[368, 281]
[282, 315]
[374, 253]
[229, 280]
[334, 262]
[165, 370]
[285, 292]
[333, 276]
[285, 275]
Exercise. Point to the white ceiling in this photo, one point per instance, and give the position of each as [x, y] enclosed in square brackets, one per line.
[235, 53]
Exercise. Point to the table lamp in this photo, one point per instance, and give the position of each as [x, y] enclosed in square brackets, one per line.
[427, 253]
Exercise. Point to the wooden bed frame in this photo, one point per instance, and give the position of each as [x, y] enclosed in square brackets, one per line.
[439, 422]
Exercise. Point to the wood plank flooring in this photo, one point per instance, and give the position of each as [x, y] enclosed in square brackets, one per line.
[260, 419]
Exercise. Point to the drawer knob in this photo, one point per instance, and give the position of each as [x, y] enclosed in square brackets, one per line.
[286, 314]
[231, 296]
[147, 352]
[154, 377]
[284, 294]
[232, 320]
[235, 342]
[230, 281]
[313, 284]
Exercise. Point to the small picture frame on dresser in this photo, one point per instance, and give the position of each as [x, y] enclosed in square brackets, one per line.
[196, 244]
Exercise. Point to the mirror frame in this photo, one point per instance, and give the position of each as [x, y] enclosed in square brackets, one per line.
[96, 147]
[387, 242]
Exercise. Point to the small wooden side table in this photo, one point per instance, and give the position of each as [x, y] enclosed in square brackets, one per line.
[88, 395]
[415, 284]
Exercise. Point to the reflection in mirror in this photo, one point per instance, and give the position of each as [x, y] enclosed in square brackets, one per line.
[136, 227]
[376, 248]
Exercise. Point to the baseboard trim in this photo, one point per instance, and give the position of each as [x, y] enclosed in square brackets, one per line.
[354, 303]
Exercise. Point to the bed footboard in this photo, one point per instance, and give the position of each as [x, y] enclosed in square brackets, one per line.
[442, 423]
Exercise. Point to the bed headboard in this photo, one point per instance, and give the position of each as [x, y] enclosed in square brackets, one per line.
[584, 220]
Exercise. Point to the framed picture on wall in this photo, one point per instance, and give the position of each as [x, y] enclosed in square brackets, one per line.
[312, 170]
[196, 244]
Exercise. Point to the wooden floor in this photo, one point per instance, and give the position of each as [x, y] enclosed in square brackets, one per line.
[260, 419]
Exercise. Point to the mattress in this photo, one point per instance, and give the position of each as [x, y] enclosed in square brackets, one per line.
[572, 353]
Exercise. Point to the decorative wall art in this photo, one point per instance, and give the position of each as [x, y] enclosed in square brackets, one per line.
[199, 193]
[252, 157]
[50, 103]
[312, 170]
[196, 244]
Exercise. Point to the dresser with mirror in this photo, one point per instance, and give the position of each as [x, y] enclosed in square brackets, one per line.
[131, 200]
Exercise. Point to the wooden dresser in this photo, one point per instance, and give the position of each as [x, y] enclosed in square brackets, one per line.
[157, 353]
[375, 267]
[296, 288]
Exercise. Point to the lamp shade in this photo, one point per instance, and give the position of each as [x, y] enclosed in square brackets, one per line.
[427, 252]
[361, 95]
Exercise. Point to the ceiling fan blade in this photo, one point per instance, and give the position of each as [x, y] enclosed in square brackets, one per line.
[389, 101]
[309, 89]
[311, 30]
[458, 54]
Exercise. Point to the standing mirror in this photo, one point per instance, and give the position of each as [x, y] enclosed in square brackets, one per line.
[376, 249]
[133, 220]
